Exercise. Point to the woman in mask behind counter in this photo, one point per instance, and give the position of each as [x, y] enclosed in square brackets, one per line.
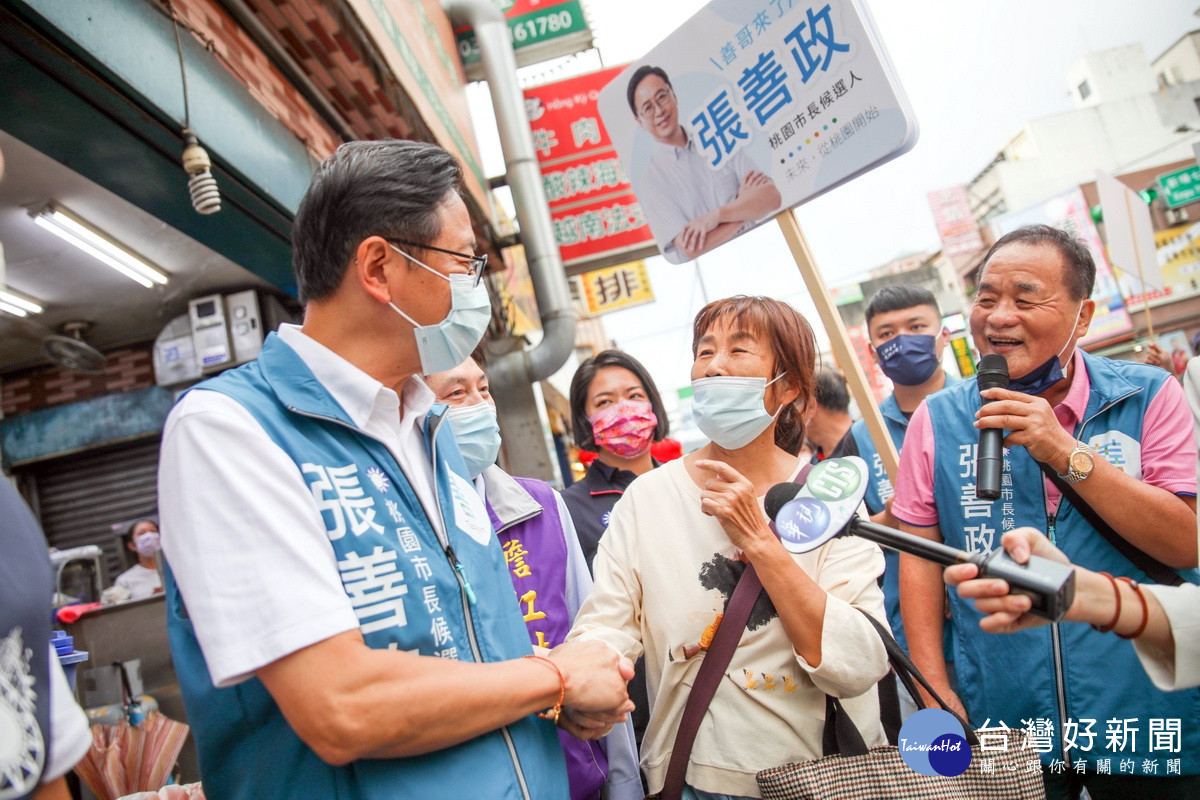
[142, 579]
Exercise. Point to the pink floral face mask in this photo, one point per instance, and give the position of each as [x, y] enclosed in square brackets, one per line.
[624, 429]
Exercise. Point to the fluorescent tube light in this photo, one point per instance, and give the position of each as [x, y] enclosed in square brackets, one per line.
[11, 309]
[15, 304]
[72, 230]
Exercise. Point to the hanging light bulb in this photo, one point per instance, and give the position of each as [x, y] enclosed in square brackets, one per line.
[206, 199]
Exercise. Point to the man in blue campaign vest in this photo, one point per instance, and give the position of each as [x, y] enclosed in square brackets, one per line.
[907, 340]
[340, 612]
[1120, 434]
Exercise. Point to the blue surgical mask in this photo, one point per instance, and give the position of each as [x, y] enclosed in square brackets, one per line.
[909, 359]
[478, 435]
[1048, 374]
[1040, 379]
[729, 409]
[446, 345]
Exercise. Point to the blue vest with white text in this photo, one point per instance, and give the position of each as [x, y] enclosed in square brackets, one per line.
[1014, 678]
[879, 489]
[402, 585]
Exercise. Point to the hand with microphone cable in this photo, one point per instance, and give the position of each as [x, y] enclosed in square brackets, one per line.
[1106, 603]
[805, 517]
[1008, 612]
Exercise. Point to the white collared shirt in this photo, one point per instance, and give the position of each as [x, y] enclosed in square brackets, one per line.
[679, 185]
[240, 527]
[376, 409]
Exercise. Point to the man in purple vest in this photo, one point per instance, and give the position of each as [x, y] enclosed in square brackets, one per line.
[545, 562]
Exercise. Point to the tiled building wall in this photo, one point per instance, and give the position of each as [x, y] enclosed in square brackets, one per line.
[128, 368]
[322, 38]
[242, 57]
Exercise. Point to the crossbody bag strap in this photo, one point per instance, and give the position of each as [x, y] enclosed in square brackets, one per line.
[1157, 571]
[712, 669]
[841, 736]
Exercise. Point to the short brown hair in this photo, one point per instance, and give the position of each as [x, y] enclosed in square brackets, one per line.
[792, 344]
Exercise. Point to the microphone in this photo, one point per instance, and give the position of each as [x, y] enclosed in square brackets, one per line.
[805, 517]
[992, 374]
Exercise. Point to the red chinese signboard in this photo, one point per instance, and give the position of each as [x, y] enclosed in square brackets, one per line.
[595, 215]
[955, 222]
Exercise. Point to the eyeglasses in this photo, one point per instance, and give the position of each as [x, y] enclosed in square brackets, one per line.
[661, 100]
[478, 263]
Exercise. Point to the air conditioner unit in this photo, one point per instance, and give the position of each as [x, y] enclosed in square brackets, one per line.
[218, 332]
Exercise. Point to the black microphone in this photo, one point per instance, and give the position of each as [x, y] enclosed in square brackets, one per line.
[805, 517]
[992, 374]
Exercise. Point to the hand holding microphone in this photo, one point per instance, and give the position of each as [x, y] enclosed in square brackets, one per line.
[1029, 420]
[805, 517]
[1007, 611]
[992, 373]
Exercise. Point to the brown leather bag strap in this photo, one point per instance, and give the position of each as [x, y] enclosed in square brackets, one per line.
[712, 669]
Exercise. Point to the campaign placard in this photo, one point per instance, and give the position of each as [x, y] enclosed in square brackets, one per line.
[749, 108]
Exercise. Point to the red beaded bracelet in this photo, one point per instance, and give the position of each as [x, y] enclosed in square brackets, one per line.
[553, 713]
[1145, 609]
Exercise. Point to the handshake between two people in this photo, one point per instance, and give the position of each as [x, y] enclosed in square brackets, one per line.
[595, 693]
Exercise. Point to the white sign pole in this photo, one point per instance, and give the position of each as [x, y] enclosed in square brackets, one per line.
[1137, 254]
[839, 340]
[1129, 234]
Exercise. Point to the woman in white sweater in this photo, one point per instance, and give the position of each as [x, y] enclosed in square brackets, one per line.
[678, 541]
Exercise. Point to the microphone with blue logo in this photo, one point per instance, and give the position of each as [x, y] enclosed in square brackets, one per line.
[805, 517]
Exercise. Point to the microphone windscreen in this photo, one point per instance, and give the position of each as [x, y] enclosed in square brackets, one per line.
[778, 496]
[992, 372]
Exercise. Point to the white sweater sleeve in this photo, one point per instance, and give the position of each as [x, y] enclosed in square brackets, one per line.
[612, 611]
[1181, 671]
[853, 657]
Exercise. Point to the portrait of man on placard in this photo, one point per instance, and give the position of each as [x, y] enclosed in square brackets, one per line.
[692, 201]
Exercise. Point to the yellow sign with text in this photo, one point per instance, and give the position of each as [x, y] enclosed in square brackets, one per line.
[614, 288]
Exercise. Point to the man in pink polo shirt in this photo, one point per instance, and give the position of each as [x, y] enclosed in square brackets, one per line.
[1120, 433]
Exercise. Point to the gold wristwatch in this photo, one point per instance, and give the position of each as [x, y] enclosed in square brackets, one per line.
[1079, 463]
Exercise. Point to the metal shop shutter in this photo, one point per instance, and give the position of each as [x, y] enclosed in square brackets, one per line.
[81, 497]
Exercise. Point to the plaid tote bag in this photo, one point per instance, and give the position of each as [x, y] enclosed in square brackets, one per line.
[1002, 768]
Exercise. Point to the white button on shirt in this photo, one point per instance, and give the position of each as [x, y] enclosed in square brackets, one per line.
[240, 527]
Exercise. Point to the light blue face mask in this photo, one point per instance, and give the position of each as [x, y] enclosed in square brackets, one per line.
[478, 435]
[446, 345]
[729, 409]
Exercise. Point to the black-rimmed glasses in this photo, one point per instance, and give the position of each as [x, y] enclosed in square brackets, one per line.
[478, 263]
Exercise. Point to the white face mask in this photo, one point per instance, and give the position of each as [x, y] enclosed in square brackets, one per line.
[446, 345]
[478, 435]
[729, 409]
[147, 543]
